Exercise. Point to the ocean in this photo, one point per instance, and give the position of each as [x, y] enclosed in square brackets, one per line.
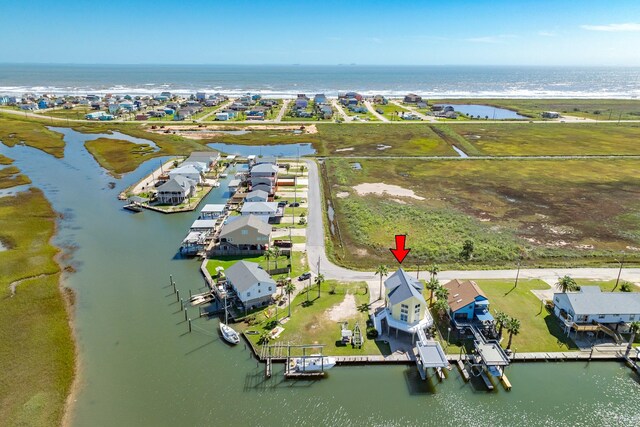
[288, 80]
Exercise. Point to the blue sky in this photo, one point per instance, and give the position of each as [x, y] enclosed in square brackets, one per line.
[328, 32]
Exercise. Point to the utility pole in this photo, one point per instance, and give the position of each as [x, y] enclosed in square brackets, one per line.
[619, 273]
[518, 273]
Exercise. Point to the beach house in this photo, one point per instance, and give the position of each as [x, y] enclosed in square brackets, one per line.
[211, 158]
[176, 190]
[412, 98]
[468, 304]
[253, 286]
[591, 306]
[244, 235]
[405, 308]
[189, 171]
[257, 196]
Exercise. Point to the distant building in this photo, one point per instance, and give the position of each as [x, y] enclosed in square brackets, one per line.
[412, 98]
[550, 115]
[252, 285]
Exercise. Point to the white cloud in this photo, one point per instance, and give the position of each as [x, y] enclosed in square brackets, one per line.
[490, 39]
[547, 33]
[629, 26]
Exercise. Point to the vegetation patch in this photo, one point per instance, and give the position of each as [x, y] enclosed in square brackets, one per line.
[37, 355]
[16, 130]
[526, 139]
[11, 177]
[549, 212]
[119, 156]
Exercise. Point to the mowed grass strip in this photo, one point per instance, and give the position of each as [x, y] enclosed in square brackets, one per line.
[552, 139]
[551, 212]
[16, 130]
[37, 355]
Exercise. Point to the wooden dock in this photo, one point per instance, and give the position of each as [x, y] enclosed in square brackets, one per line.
[505, 382]
[463, 370]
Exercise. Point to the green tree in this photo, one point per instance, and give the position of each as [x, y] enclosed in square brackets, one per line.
[442, 293]
[433, 284]
[289, 288]
[566, 284]
[265, 337]
[513, 327]
[467, 250]
[501, 320]
[275, 253]
[441, 307]
[625, 287]
[267, 256]
[382, 271]
[634, 328]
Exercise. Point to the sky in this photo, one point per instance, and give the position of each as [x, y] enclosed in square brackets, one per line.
[460, 32]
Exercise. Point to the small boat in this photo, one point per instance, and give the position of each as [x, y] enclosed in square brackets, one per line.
[133, 207]
[314, 363]
[216, 184]
[223, 175]
[496, 371]
[229, 334]
[199, 299]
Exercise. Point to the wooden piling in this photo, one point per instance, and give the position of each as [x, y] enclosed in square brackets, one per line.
[181, 304]
[189, 325]
[178, 295]
[185, 314]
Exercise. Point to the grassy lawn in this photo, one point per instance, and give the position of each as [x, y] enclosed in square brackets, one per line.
[298, 263]
[390, 111]
[15, 129]
[77, 112]
[554, 213]
[525, 139]
[601, 109]
[606, 285]
[37, 354]
[311, 324]
[540, 330]
[367, 116]
[118, 156]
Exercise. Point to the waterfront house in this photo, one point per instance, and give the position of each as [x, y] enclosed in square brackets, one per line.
[203, 225]
[550, 115]
[212, 211]
[405, 307]
[591, 306]
[95, 115]
[234, 184]
[202, 167]
[412, 98]
[380, 99]
[189, 172]
[251, 284]
[265, 160]
[468, 304]
[266, 211]
[222, 116]
[176, 190]
[244, 235]
[301, 103]
[320, 98]
[326, 112]
[257, 196]
[210, 158]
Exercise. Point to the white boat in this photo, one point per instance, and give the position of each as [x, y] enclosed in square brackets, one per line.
[314, 363]
[216, 184]
[223, 175]
[229, 334]
[198, 299]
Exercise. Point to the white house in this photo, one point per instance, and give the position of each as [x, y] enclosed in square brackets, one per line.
[202, 167]
[252, 285]
[263, 210]
[212, 211]
[189, 172]
[591, 305]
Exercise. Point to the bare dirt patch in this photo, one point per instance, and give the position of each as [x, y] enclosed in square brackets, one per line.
[342, 194]
[345, 310]
[381, 188]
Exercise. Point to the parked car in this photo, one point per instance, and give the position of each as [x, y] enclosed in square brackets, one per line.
[304, 276]
[294, 205]
[283, 203]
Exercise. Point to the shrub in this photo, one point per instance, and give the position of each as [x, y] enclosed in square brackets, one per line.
[372, 332]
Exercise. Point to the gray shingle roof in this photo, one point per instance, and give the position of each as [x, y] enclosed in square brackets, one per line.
[244, 274]
[264, 168]
[592, 301]
[246, 221]
[402, 286]
[257, 193]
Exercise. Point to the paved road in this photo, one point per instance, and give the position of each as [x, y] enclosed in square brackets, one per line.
[220, 107]
[283, 110]
[413, 110]
[374, 112]
[316, 251]
[340, 110]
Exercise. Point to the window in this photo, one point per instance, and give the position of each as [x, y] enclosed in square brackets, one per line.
[600, 316]
[248, 294]
[416, 310]
[632, 317]
[244, 232]
[404, 309]
[403, 317]
[270, 289]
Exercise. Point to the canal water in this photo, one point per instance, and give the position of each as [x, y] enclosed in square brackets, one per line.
[140, 366]
[493, 113]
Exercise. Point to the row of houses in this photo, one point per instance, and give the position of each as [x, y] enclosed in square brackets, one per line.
[321, 107]
[181, 183]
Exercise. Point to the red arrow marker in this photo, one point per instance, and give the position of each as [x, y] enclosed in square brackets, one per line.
[400, 252]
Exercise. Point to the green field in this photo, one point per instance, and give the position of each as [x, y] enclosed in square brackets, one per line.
[569, 213]
[311, 323]
[37, 355]
[75, 113]
[525, 139]
[118, 156]
[390, 111]
[367, 116]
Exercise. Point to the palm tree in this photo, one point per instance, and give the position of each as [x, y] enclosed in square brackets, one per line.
[267, 256]
[265, 337]
[319, 280]
[634, 328]
[501, 320]
[276, 252]
[441, 306]
[566, 284]
[442, 293]
[433, 284]
[381, 271]
[434, 269]
[289, 288]
[513, 326]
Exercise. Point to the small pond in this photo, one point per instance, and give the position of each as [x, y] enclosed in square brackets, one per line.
[459, 151]
[281, 150]
[493, 113]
